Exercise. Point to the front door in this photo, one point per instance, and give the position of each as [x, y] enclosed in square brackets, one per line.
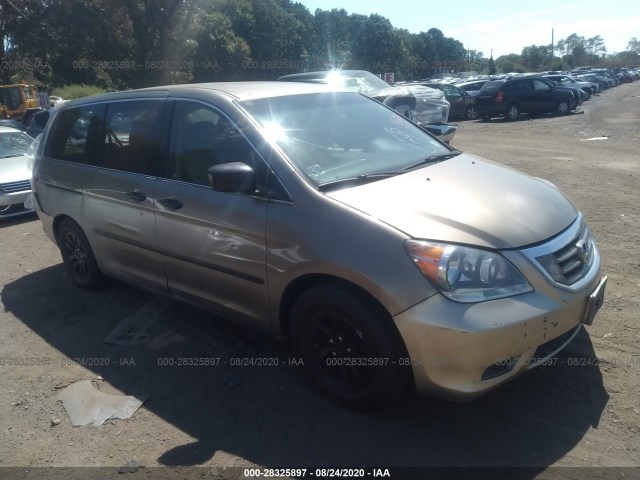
[213, 243]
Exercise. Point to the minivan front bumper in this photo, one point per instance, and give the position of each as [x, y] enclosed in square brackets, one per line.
[458, 351]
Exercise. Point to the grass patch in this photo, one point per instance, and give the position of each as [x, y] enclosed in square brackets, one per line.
[69, 92]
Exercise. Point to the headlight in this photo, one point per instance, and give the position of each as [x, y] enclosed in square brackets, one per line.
[467, 274]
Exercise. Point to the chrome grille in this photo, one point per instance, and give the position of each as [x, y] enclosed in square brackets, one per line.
[570, 263]
[13, 187]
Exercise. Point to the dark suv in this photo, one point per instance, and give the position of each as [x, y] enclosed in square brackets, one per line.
[513, 96]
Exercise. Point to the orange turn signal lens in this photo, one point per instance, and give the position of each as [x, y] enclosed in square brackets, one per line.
[427, 258]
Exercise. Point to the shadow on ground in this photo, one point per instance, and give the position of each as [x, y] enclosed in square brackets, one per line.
[273, 416]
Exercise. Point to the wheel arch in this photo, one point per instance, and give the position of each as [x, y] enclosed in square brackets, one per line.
[303, 283]
[57, 221]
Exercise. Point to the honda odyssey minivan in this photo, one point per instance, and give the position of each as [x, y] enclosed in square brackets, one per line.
[389, 259]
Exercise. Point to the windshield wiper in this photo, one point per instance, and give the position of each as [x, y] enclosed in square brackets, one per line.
[433, 159]
[358, 180]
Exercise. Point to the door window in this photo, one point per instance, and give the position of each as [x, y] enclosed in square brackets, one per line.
[540, 86]
[130, 141]
[201, 138]
[451, 91]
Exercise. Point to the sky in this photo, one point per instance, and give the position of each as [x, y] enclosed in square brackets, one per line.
[506, 26]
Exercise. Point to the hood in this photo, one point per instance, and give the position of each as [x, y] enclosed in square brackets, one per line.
[14, 169]
[431, 106]
[466, 200]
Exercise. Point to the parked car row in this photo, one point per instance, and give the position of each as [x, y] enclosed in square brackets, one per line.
[512, 94]
[15, 139]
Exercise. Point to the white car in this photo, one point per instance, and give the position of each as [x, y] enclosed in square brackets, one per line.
[54, 101]
[15, 172]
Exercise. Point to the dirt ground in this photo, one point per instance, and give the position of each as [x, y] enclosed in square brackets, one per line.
[582, 412]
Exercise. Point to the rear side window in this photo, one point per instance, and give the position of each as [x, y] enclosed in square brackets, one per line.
[518, 86]
[491, 87]
[77, 135]
[131, 133]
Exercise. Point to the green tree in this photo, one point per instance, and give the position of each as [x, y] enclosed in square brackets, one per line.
[535, 57]
[509, 63]
[377, 47]
[219, 53]
[332, 45]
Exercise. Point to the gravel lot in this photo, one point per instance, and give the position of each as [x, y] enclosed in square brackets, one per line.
[582, 412]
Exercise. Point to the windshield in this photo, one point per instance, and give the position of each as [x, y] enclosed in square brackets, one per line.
[14, 144]
[335, 136]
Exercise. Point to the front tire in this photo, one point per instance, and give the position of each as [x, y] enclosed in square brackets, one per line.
[564, 107]
[350, 346]
[77, 256]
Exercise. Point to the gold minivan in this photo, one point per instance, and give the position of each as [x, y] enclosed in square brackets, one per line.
[388, 258]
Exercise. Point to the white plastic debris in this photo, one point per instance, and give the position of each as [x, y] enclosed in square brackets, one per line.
[86, 405]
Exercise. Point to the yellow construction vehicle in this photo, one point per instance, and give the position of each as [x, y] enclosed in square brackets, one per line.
[16, 99]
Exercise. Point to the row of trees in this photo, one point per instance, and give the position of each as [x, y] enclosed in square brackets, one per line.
[134, 43]
[569, 52]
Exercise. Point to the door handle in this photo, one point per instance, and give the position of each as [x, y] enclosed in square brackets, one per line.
[137, 195]
[171, 202]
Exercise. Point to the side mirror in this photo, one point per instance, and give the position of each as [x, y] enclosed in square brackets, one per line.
[234, 177]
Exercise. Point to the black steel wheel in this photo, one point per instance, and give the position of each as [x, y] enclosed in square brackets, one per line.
[77, 255]
[350, 346]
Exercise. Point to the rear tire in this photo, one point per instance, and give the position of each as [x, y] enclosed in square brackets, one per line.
[77, 256]
[512, 112]
[350, 346]
[471, 113]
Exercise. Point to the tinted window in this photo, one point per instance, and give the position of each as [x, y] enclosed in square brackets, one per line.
[492, 87]
[201, 138]
[540, 86]
[518, 86]
[77, 135]
[130, 141]
[41, 119]
[451, 91]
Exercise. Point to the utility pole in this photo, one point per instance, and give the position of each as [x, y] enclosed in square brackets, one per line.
[552, 52]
